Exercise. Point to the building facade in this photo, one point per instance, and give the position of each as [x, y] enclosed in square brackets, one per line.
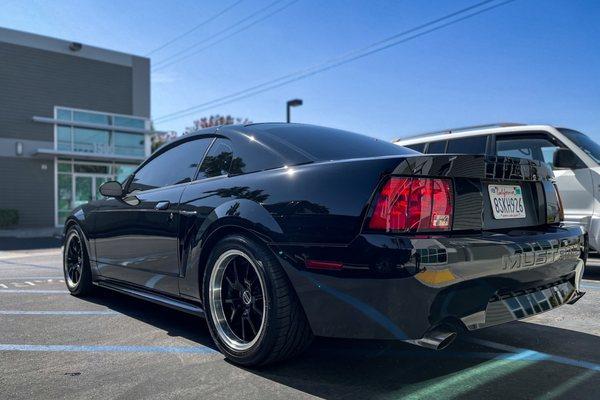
[72, 116]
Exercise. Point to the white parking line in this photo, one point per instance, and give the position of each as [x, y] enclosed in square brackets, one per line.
[111, 349]
[15, 255]
[78, 313]
[34, 291]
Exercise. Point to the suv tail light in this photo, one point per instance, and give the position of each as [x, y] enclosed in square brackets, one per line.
[413, 204]
[561, 210]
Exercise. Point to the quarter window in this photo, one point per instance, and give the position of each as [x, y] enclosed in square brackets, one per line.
[218, 160]
[176, 165]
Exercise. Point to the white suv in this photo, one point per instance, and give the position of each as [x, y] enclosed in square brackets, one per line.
[573, 156]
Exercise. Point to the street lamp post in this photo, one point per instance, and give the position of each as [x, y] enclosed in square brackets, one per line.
[290, 104]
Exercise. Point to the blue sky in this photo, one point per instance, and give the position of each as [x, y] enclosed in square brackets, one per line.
[527, 61]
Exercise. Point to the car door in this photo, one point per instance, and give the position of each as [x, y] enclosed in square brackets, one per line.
[137, 236]
[575, 185]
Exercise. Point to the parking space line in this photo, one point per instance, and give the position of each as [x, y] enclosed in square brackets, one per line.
[78, 313]
[34, 291]
[536, 354]
[32, 278]
[110, 349]
[19, 264]
[13, 256]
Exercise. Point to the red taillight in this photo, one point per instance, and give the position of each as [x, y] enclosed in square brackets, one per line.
[413, 204]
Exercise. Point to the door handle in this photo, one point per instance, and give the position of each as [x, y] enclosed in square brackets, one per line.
[162, 205]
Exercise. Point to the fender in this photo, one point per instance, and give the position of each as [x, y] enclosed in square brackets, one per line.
[237, 215]
[78, 217]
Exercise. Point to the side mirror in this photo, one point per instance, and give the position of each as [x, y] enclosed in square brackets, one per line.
[111, 189]
[565, 159]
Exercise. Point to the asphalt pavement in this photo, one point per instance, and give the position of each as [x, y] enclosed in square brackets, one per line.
[56, 346]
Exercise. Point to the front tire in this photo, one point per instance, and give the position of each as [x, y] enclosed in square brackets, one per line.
[76, 263]
[253, 313]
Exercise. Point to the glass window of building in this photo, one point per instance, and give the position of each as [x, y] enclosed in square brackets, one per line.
[129, 122]
[91, 140]
[129, 144]
[64, 115]
[91, 118]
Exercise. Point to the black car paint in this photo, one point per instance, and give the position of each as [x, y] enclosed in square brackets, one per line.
[316, 209]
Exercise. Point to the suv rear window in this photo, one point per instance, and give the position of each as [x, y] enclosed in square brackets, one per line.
[436, 147]
[467, 145]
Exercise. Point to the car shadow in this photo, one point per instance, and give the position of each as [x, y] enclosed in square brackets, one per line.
[174, 323]
[517, 360]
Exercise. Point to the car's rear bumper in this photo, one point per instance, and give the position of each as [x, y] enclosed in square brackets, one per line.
[396, 287]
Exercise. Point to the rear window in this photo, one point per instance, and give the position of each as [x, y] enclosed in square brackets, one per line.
[436, 147]
[420, 147]
[467, 145]
[322, 144]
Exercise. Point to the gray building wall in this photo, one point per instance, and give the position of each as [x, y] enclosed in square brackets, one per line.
[38, 73]
[25, 186]
[33, 81]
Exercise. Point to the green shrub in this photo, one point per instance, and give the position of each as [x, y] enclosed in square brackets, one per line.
[8, 217]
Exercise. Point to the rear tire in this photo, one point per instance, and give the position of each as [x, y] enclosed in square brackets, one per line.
[76, 263]
[253, 313]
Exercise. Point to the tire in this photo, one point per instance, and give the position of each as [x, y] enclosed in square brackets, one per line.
[78, 278]
[284, 331]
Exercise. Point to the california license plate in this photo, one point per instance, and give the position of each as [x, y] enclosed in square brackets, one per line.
[507, 201]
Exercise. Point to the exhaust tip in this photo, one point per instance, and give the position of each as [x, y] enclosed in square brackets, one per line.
[436, 339]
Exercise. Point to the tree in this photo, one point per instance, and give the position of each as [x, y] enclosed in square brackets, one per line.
[159, 138]
[215, 120]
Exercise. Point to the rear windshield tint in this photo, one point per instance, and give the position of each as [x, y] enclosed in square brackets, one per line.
[322, 144]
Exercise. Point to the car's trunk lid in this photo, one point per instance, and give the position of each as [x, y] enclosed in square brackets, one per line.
[477, 179]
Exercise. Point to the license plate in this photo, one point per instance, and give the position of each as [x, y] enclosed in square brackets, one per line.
[507, 201]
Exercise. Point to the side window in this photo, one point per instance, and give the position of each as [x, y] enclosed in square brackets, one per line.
[467, 145]
[539, 147]
[176, 165]
[218, 160]
[436, 147]
[420, 147]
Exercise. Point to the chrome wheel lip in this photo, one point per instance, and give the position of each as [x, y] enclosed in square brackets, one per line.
[217, 311]
[73, 269]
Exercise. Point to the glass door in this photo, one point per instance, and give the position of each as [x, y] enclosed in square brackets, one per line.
[84, 191]
[86, 188]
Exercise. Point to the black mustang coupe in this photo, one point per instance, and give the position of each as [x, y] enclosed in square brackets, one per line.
[278, 232]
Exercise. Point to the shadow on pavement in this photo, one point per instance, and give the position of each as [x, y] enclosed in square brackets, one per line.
[10, 243]
[514, 361]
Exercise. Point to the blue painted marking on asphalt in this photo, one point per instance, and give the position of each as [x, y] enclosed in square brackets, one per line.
[23, 312]
[109, 349]
[34, 291]
[537, 355]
